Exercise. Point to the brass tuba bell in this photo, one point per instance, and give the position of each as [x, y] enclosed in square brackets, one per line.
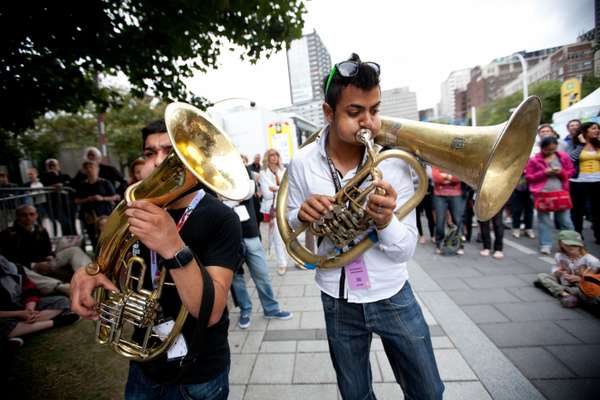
[490, 159]
[202, 153]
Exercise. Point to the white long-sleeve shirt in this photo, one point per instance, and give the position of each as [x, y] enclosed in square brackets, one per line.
[309, 174]
[267, 180]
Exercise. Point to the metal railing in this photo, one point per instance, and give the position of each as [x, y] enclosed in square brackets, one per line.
[53, 203]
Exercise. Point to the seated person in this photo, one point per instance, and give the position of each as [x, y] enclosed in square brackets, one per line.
[26, 242]
[22, 308]
[572, 261]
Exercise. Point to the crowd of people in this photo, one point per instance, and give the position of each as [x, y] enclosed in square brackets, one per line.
[370, 295]
[560, 181]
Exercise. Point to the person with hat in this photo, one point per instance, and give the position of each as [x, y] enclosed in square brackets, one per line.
[572, 263]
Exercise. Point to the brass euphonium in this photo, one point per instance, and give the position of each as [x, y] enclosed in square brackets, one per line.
[201, 154]
[490, 159]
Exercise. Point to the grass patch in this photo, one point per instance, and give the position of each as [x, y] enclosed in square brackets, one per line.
[67, 363]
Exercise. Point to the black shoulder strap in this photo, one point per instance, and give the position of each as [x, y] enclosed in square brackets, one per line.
[199, 339]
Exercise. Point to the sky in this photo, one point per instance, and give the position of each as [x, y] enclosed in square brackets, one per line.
[417, 42]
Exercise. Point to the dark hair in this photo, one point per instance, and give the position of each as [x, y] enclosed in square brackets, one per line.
[366, 79]
[157, 126]
[547, 141]
[584, 128]
[573, 120]
[542, 126]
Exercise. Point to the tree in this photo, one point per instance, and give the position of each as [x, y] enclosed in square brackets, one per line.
[76, 130]
[499, 110]
[54, 53]
[124, 125]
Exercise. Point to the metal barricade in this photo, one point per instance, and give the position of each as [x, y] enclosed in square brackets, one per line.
[55, 204]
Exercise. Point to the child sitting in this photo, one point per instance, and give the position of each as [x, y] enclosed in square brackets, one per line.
[571, 262]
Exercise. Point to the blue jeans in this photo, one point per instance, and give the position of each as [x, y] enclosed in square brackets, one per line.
[257, 264]
[141, 388]
[442, 203]
[562, 220]
[406, 341]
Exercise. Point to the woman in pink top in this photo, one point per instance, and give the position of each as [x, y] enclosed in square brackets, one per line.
[447, 195]
[549, 171]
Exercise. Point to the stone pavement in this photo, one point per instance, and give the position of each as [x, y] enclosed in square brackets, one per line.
[495, 336]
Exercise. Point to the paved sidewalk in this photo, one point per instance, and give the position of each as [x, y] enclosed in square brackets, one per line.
[495, 336]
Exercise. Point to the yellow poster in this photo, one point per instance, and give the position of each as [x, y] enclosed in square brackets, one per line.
[279, 136]
[570, 93]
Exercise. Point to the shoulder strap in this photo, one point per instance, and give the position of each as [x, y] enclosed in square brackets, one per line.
[199, 339]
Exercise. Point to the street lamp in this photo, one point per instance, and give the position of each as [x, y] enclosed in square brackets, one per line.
[252, 103]
[524, 68]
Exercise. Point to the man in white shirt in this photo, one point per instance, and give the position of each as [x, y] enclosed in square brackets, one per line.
[385, 304]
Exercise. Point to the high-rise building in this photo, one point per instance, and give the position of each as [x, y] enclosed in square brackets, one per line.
[308, 62]
[399, 103]
[457, 80]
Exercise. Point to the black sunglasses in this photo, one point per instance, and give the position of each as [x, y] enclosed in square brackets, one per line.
[348, 69]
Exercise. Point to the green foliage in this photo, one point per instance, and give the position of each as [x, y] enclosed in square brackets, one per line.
[54, 52]
[498, 110]
[53, 132]
[548, 91]
[122, 128]
[589, 84]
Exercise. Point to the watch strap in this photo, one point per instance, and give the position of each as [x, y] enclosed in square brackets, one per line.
[181, 259]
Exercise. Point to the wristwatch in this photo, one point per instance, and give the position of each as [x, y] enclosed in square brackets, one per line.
[182, 258]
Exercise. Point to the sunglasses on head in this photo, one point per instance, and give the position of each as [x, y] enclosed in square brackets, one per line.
[348, 69]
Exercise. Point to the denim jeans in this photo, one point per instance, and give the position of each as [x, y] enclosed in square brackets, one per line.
[440, 205]
[562, 220]
[406, 341]
[256, 261]
[141, 388]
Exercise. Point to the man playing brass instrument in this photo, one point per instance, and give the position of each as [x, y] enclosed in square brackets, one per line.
[200, 246]
[372, 293]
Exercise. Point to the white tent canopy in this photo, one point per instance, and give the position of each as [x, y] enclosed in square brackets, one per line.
[586, 108]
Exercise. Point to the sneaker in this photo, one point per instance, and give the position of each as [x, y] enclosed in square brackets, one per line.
[498, 255]
[530, 234]
[438, 251]
[484, 252]
[282, 315]
[244, 321]
[460, 252]
[516, 233]
[422, 240]
[569, 301]
[546, 250]
[15, 342]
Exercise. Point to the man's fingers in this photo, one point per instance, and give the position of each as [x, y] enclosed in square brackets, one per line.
[145, 205]
[389, 190]
[318, 205]
[309, 214]
[107, 283]
[382, 201]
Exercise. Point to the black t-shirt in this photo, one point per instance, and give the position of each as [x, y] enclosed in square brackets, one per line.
[24, 247]
[213, 232]
[250, 226]
[101, 187]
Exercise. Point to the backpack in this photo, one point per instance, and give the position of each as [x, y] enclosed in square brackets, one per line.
[451, 241]
[590, 284]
